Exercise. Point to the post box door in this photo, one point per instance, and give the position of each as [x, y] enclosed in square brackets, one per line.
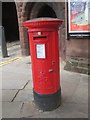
[45, 61]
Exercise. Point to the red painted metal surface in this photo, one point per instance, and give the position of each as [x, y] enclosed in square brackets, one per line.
[44, 49]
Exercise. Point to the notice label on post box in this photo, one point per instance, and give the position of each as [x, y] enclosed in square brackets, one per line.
[40, 49]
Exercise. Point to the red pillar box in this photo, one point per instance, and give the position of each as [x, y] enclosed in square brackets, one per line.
[44, 49]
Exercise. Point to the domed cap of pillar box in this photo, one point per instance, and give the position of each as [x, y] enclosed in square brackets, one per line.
[43, 24]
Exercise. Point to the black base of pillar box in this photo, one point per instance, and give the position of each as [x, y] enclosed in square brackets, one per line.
[47, 102]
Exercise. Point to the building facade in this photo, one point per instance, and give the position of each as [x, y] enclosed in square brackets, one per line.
[74, 51]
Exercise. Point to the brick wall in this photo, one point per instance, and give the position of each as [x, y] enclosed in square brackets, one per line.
[69, 49]
[26, 11]
[22, 31]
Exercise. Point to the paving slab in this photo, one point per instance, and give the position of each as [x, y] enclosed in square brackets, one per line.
[72, 110]
[81, 94]
[69, 110]
[18, 75]
[15, 76]
[67, 75]
[13, 84]
[27, 60]
[17, 68]
[29, 85]
[68, 88]
[8, 95]
[29, 110]
[0, 78]
[84, 79]
[0, 110]
[24, 95]
[0, 95]
[11, 109]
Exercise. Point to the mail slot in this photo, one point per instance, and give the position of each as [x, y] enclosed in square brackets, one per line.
[39, 37]
[44, 49]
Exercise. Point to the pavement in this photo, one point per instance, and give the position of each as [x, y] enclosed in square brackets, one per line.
[16, 90]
